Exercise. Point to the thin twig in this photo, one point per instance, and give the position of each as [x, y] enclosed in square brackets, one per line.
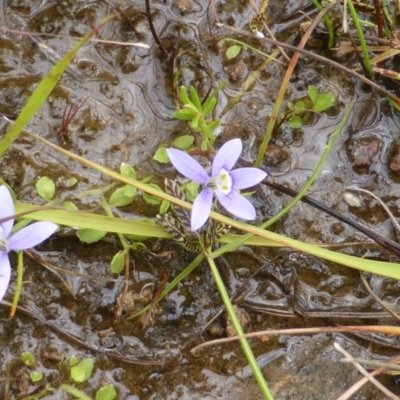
[377, 384]
[377, 299]
[153, 31]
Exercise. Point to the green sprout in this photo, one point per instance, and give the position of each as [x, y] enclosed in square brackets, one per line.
[299, 111]
[196, 112]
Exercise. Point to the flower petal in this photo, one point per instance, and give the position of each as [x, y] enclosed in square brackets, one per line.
[243, 178]
[6, 210]
[5, 274]
[236, 204]
[31, 235]
[201, 209]
[187, 166]
[227, 156]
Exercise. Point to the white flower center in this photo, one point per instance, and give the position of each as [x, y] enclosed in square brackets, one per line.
[222, 182]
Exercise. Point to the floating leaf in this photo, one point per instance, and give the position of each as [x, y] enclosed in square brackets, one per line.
[36, 376]
[106, 393]
[184, 142]
[233, 51]
[161, 155]
[45, 188]
[90, 235]
[28, 359]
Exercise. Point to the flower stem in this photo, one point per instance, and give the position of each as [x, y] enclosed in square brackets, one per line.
[18, 290]
[238, 328]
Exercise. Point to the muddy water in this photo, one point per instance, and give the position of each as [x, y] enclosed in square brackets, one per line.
[130, 96]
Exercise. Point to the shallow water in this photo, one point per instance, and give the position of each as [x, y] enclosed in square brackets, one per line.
[130, 97]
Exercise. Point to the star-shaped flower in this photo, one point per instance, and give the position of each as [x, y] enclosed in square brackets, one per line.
[25, 238]
[224, 182]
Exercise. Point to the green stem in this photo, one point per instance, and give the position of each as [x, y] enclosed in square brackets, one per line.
[238, 328]
[360, 34]
[18, 290]
[328, 24]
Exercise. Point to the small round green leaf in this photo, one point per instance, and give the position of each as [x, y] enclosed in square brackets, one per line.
[106, 393]
[77, 374]
[295, 122]
[123, 196]
[324, 101]
[161, 155]
[153, 200]
[184, 142]
[118, 262]
[128, 171]
[45, 188]
[233, 51]
[90, 235]
[82, 372]
[36, 376]
[28, 359]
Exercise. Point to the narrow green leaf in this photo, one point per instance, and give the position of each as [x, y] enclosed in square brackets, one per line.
[195, 98]
[313, 93]
[184, 96]
[90, 235]
[209, 106]
[78, 394]
[45, 188]
[195, 122]
[185, 114]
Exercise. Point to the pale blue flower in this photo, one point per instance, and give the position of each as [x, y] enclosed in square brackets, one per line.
[224, 182]
[25, 238]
